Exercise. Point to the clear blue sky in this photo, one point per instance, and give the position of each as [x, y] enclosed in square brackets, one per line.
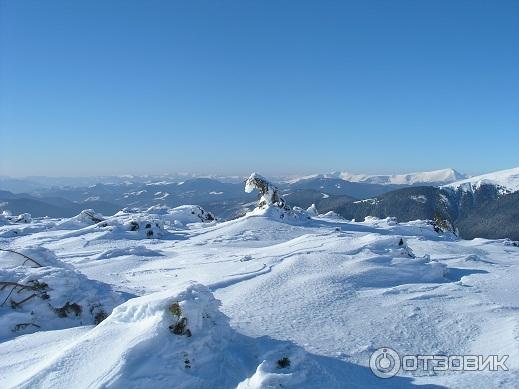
[112, 87]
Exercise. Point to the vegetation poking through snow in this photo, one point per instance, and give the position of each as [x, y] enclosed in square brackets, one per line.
[38, 289]
[175, 309]
[283, 363]
[180, 326]
[27, 258]
[440, 224]
[68, 310]
[50, 296]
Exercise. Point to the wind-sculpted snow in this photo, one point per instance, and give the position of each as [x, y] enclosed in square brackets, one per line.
[321, 291]
[139, 251]
[139, 349]
[85, 218]
[180, 217]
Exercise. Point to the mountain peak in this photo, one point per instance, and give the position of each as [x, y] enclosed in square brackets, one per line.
[507, 179]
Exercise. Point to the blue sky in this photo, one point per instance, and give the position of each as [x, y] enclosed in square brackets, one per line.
[228, 87]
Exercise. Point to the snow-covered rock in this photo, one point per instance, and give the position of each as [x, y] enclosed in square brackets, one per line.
[312, 210]
[271, 203]
[182, 215]
[6, 218]
[269, 192]
[24, 218]
[85, 218]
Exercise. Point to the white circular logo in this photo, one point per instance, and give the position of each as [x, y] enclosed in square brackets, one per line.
[384, 362]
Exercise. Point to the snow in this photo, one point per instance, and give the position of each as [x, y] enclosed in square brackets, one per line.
[183, 215]
[506, 180]
[92, 198]
[319, 290]
[137, 338]
[419, 199]
[271, 203]
[161, 195]
[47, 297]
[136, 193]
[369, 201]
[85, 218]
[442, 176]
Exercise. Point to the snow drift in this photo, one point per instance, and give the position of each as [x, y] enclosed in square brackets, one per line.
[141, 345]
[38, 292]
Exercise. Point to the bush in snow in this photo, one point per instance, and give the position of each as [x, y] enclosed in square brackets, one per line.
[43, 293]
[283, 362]
[179, 327]
[440, 224]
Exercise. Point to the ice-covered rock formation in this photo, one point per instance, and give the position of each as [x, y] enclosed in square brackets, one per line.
[271, 202]
[269, 193]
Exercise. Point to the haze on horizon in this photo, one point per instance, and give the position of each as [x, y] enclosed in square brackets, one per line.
[226, 88]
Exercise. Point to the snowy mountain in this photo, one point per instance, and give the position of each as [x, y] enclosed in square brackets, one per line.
[280, 297]
[473, 214]
[506, 180]
[65, 197]
[436, 177]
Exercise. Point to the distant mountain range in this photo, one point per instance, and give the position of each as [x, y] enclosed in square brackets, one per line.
[475, 206]
[436, 177]
[485, 206]
[29, 184]
[506, 180]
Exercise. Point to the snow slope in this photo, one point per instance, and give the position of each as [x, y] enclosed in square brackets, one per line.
[139, 350]
[506, 180]
[322, 292]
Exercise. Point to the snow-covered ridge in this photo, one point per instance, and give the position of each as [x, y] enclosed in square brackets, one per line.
[507, 180]
[443, 176]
